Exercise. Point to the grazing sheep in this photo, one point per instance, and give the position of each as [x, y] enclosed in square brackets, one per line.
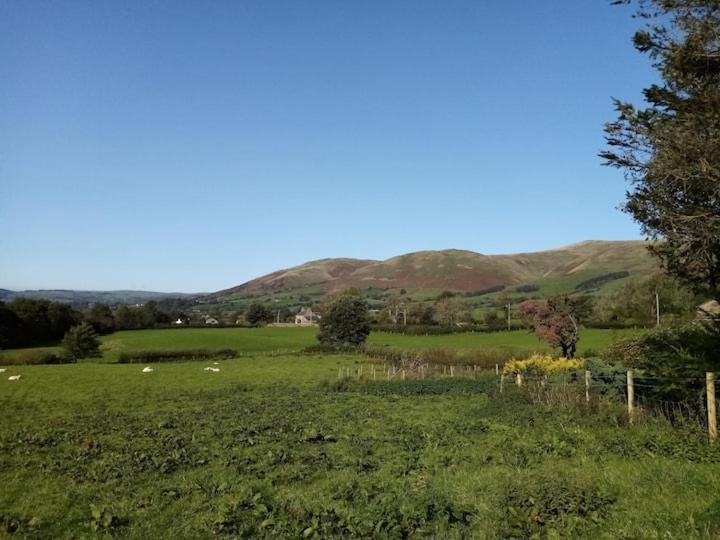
[14, 377]
[3, 370]
[216, 363]
[147, 369]
[213, 369]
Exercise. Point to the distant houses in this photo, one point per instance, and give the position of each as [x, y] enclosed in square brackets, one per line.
[211, 321]
[307, 317]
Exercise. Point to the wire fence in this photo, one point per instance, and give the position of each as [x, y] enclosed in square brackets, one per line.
[678, 397]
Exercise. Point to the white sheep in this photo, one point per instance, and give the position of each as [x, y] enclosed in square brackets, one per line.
[3, 370]
[147, 369]
[14, 377]
[213, 369]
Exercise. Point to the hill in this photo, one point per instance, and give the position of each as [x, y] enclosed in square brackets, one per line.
[587, 266]
[91, 297]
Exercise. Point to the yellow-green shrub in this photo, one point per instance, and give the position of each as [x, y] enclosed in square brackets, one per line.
[542, 365]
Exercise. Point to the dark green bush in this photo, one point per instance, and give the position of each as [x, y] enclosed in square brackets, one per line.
[670, 364]
[81, 341]
[143, 357]
[344, 322]
[673, 351]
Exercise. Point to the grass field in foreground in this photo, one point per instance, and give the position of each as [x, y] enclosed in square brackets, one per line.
[264, 448]
[259, 340]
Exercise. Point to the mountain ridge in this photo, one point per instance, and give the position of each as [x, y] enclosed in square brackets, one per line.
[456, 269]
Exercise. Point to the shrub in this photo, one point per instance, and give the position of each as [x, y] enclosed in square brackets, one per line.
[81, 341]
[258, 313]
[143, 357]
[674, 361]
[31, 358]
[542, 365]
[344, 322]
[673, 351]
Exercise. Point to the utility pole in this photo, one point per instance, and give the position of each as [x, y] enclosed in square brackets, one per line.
[508, 316]
[278, 317]
[657, 308]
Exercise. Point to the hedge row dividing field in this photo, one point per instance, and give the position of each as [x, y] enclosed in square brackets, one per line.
[278, 447]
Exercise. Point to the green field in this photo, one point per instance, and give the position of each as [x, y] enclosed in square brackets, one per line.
[276, 446]
[279, 340]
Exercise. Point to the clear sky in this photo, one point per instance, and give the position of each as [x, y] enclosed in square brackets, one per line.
[191, 146]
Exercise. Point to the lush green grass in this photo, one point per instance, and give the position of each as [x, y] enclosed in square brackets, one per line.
[263, 340]
[265, 448]
[244, 340]
[590, 339]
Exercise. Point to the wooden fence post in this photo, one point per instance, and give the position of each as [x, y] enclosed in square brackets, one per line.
[587, 386]
[502, 380]
[403, 374]
[518, 379]
[339, 373]
[711, 406]
[497, 370]
[452, 371]
[631, 395]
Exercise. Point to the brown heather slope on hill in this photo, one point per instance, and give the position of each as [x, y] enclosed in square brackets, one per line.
[458, 270]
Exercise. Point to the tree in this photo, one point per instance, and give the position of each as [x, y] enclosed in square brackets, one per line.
[556, 320]
[344, 321]
[101, 318]
[493, 321]
[421, 314]
[447, 311]
[42, 321]
[81, 341]
[10, 327]
[126, 318]
[634, 302]
[257, 313]
[670, 149]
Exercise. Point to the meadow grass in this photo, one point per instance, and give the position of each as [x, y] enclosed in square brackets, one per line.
[278, 447]
[519, 340]
[290, 340]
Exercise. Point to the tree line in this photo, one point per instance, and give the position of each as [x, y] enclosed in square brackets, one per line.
[26, 322]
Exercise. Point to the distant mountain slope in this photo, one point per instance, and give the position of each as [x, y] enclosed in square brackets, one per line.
[90, 297]
[457, 270]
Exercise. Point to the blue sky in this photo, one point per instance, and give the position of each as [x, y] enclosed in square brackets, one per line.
[191, 146]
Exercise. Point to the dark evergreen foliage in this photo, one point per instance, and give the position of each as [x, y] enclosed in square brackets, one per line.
[344, 321]
[670, 149]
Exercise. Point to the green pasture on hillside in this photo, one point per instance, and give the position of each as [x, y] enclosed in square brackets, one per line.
[277, 447]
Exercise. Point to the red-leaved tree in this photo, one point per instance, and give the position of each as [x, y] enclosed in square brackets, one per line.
[556, 320]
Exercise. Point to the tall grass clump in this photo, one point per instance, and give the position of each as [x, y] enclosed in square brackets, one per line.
[482, 358]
